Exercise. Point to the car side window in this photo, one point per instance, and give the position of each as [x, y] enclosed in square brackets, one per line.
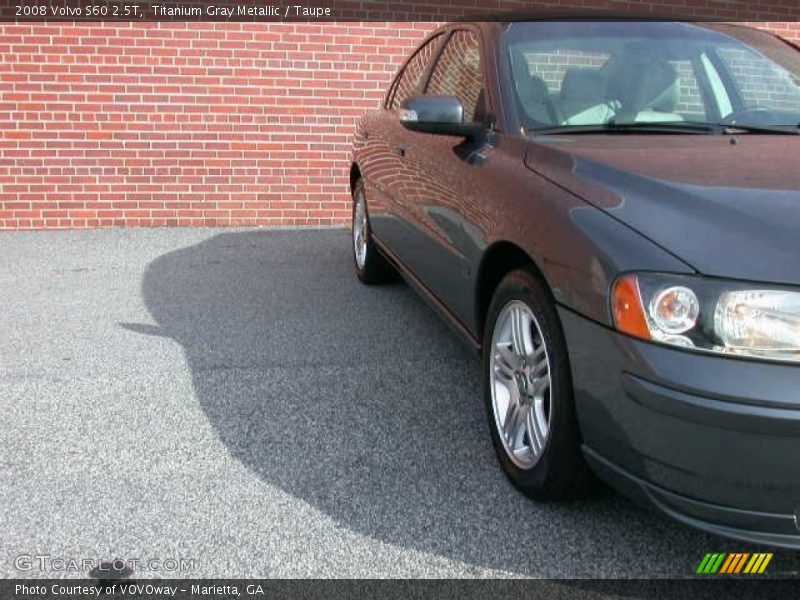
[458, 73]
[761, 83]
[410, 79]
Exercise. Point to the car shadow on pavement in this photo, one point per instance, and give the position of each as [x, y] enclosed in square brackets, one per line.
[360, 401]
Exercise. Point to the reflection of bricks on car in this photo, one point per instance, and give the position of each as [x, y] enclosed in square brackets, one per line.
[458, 72]
[413, 72]
[754, 82]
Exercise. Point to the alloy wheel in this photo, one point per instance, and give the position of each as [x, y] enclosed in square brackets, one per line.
[519, 376]
[360, 229]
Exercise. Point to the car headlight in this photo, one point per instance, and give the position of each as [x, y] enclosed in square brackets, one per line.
[727, 317]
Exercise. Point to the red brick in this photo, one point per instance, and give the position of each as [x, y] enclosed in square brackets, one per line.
[196, 124]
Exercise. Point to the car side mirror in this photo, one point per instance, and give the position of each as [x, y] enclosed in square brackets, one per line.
[439, 115]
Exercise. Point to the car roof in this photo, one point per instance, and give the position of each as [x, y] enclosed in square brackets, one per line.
[494, 23]
[548, 14]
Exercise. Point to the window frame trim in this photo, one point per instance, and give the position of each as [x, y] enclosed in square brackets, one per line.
[710, 100]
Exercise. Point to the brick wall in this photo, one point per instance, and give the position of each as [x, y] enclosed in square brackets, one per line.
[188, 124]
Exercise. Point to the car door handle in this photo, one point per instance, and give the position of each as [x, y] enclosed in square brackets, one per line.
[400, 151]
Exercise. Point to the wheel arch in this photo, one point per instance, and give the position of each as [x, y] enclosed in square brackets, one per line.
[499, 259]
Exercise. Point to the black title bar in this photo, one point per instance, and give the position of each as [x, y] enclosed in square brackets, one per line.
[372, 10]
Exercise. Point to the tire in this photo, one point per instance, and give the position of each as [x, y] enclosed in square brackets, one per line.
[538, 443]
[371, 267]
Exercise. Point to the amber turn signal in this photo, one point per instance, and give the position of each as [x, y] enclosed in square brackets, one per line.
[626, 304]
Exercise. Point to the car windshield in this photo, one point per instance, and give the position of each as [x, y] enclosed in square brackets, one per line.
[664, 76]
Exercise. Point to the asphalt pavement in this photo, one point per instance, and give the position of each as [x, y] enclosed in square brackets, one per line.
[237, 400]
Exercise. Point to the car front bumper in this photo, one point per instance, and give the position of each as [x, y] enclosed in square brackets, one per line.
[712, 441]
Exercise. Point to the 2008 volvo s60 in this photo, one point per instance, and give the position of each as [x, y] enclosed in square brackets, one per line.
[609, 211]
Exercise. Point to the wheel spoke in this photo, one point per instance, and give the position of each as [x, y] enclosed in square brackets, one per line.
[537, 430]
[515, 417]
[534, 434]
[540, 418]
[540, 368]
[505, 362]
[540, 385]
[520, 332]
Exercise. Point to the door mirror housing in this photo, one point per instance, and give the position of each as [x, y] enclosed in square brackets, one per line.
[439, 115]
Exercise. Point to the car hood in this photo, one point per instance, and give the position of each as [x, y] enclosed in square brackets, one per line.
[727, 206]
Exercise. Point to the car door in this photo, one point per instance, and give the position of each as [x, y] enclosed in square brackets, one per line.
[441, 242]
[387, 175]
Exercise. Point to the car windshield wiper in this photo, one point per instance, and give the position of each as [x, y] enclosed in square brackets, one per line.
[627, 127]
[770, 129]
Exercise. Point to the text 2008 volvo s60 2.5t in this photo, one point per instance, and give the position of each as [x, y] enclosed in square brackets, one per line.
[609, 211]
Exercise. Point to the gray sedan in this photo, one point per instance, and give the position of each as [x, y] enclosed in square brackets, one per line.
[607, 211]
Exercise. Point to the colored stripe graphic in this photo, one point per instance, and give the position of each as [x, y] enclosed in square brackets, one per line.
[703, 564]
[766, 562]
[734, 563]
[727, 564]
[753, 564]
[737, 568]
[758, 563]
[711, 563]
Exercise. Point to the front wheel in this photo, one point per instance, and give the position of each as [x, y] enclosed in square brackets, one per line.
[528, 391]
[371, 266]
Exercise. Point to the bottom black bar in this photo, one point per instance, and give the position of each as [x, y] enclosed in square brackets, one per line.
[258, 589]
